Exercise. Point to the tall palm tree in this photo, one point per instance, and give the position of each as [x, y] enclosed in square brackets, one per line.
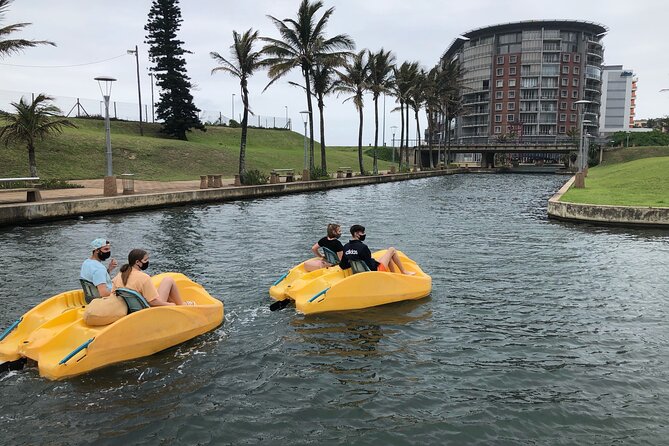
[302, 44]
[431, 107]
[9, 46]
[354, 80]
[417, 99]
[244, 63]
[449, 87]
[403, 86]
[324, 82]
[381, 66]
[32, 123]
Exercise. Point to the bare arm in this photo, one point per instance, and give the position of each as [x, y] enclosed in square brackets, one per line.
[159, 303]
[103, 290]
[314, 249]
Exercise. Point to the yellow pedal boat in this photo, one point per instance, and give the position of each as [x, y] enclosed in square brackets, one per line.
[334, 289]
[54, 334]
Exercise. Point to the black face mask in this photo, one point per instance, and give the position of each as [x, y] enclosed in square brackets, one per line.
[144, 265]
[362, 237]
[104, 255]
[337, 236]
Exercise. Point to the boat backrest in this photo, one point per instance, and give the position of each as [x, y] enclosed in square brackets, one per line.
[358, 266]
[330, 256]
[90, 290]
[133, 299]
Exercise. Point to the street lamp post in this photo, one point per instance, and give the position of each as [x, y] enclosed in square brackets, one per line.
[153, 104]
[393, 128]
[105, 84]
[287, 126]
[305, 119]
[139, 90]
[580, 176]
[233, 106]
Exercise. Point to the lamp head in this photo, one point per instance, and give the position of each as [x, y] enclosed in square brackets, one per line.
[105, 84]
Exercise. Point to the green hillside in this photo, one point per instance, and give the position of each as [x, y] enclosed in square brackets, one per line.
[80, 153]
[628, 177]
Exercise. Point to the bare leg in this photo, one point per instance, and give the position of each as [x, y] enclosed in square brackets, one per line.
[391, 257]
[168, 291]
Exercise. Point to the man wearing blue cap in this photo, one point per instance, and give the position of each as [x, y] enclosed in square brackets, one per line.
[94, 271]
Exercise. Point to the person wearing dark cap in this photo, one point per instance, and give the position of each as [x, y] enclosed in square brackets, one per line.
[94, 271]
[357, 250]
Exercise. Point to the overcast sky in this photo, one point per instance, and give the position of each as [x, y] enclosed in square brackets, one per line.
[418, 30]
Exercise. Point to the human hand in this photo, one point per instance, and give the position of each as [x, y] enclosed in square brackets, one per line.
[112, 264]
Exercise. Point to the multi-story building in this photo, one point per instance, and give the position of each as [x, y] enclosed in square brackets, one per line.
[618, 99]
[522, 80]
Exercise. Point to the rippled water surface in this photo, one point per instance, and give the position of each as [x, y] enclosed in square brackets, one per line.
[536, 332]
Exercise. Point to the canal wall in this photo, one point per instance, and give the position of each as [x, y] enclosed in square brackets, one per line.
[641, 216]
[20, 213]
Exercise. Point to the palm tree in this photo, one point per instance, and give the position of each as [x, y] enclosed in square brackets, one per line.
[417, 97]
[449, 87]
[431, 106]
[354, 80]
[31, 123]
[381, 66]
[244, 62]
[403, 86]
[303, 43]
[324, 83]
[9, 46]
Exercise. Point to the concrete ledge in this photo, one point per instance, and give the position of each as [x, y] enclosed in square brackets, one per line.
[57, 210]
[631, 216]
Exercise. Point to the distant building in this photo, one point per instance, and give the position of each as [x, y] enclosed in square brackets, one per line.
[522, 80]
[618, 99]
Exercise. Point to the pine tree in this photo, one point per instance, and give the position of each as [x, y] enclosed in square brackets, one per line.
[175, 106]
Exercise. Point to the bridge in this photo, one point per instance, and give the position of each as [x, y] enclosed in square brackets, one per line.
[489, 149]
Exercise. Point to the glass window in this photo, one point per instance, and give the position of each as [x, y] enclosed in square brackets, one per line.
[512, 70]
[498, 106]
[500, 59]
[562, 129]
[512, 94]
[574, 94]
[565, 82]
[564, 94]
[563, 105]
[577, 57]
[565, 69]
[510, 118]
[511, 106]
[574, 82]
[498, 118]
[500, 72]
[500, 83]
[512, 82]
[574, 106]
[513, 59]
[572, 117]
[498, 129]
[565, 58]
[499, 95]
[563, 117]
[577, 70]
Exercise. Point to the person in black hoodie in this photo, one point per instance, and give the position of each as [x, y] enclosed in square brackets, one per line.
[357, 250]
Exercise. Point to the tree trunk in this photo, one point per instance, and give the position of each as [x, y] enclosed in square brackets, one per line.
[310, 108]
[321, 107]
[245, 124]
[420, 158]
[401, 134]
[430, 129]
[375, 166]
[406, 153]
[32, 163]
[362, 167]
[448, 147]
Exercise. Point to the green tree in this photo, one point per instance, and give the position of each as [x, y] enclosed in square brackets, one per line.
[380, 80]
[302, 44]
[449, 90]
[175, 106]
[402, 89]
[244, 63]
[417, 98]
[324, 82]
[32, 122]
[9, 46]
[353, 80]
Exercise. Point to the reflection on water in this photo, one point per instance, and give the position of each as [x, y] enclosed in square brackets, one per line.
[536, 332]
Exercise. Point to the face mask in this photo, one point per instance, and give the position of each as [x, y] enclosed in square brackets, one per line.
[104, 255]
[362, 237]
[144, 265]
[337, 235]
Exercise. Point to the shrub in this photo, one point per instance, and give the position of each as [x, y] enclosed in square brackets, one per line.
[318, 173]
[254, 177]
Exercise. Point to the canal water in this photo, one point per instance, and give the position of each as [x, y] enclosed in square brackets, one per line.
[536, 332]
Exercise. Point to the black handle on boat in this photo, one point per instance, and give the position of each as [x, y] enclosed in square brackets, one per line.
[279, 305]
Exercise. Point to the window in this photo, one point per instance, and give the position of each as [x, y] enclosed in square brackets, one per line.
[512, 94]
[510, 118]
[511, 106]
[500, 83]
[574, 82]
[500, 59]
[564, 94]
[572, 117]
[513, 59]
[512, 82]
[577, 58]
[572, 128]
[498, 129]
[500, 72]
[565, 58]
[498, 118]
[577, 70]
[562, 129]
[574, 94]
[565, 82]
[499, 94]
[574, 106]
[563, 117]
[512, 70]
[563, 105]
[498, 106]
[565, 69]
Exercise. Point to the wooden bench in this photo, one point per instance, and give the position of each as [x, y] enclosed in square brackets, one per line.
[276, 174]
[344, 172]
[31, 189]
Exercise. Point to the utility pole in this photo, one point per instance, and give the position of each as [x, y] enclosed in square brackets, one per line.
[139, 90]
[153, 104]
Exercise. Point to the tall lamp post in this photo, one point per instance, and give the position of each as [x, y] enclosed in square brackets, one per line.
[580, 176]
[153, 104]
[305, 119]
[105, 84]
[139, 90]
[287, 126]
[233, 106]
[393, 128]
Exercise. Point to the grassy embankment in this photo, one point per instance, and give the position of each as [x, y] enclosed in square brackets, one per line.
[80, 154]
[627, 177]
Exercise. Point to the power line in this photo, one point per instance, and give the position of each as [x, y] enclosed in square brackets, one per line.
[63, 66]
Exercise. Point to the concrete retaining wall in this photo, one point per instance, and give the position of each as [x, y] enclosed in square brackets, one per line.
[54, 210]
[606, 215]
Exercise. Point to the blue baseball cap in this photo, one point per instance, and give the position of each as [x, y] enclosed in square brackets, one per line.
[99, 243]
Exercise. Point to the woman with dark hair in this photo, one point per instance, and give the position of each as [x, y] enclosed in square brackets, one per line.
[331, 242]
[133, 277]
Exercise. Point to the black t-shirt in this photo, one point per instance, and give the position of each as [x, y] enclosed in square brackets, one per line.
[356, 250]
[333, 245]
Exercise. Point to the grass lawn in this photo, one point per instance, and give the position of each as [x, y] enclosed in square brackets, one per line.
[80, 153]
[641, 182]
